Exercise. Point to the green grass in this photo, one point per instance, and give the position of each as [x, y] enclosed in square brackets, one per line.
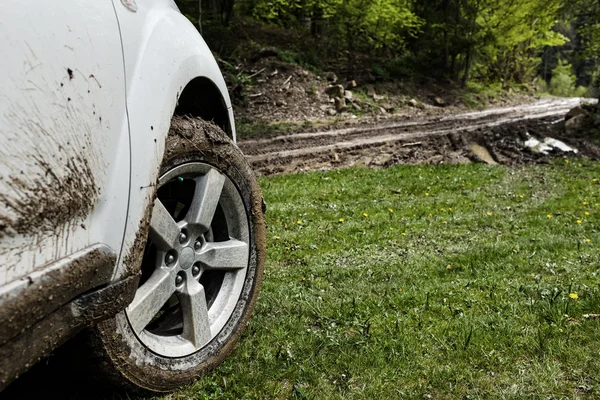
[441, 282]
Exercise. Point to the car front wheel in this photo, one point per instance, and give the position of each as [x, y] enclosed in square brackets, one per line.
[201, 268]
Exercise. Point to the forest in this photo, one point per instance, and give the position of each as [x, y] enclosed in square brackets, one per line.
[549, 46]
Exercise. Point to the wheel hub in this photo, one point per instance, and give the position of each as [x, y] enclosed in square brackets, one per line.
[194, 270]
[187, 258]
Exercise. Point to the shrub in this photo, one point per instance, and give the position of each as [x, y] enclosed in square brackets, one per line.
[563, 80]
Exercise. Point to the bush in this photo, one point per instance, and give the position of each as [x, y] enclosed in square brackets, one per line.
[581, 91]
[542, 85]
[563, 80]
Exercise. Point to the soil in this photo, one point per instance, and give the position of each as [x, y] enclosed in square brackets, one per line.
[271, 91]
[494, 136]
[285, 93]
[46, 202]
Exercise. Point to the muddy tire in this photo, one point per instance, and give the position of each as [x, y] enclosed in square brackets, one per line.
[206, 275]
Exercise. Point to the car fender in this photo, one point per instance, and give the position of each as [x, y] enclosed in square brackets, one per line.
[163, 53]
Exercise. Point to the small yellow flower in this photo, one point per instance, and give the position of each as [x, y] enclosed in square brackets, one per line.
[391, 210]
[515, 251]
[391, 229]
[579, 165]
[430, 214]
[574, 296]
[585, 203]
[303, 278]
[594, 180]
[299, 222]
[579, 221]
[276, 237]
[365, 215]
[450, 209]
[403, 233]
[442, 209]
[586, 213]
[549, 216]
[587, 240]
[566, 161]
[341, 220]
[490, 214]
[426, 194]
[448, 266]
[521, 196]
[597, 204]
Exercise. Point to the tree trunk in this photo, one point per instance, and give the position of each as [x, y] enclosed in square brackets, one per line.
[214, 7]
[200, 16]
[453, 66]
[351, 50]
[597, 84]
[226, 11]
[446, 60]
[469, 56]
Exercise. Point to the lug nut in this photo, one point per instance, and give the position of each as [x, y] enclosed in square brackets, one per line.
[195, 270]
[178, 280]
[198, 245]
[182, 237]
[170, 259]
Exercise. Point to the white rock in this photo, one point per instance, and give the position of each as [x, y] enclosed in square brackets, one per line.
[547, 145]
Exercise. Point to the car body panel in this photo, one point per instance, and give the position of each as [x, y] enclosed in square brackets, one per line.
[64, 146]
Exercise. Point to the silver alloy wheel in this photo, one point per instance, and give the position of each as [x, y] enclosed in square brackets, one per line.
[198, 264]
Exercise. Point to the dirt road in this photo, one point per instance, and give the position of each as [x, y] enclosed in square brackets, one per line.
[492, 136]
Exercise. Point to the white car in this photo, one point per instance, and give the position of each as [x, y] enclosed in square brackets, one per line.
[126, 209]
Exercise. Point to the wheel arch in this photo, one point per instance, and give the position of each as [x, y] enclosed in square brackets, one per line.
[169, 71]
[198, 100]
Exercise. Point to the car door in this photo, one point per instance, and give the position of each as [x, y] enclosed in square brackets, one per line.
[64, 140]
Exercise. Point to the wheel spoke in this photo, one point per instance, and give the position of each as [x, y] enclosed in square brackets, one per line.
[229, 255]
[150, 297]
[206, 198]
[196, 327]
[164, 231]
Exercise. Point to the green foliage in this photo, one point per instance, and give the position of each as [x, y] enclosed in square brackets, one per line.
[581, 91]
[563, 80]
[399, 67]
[492, 40]
[291, 12]
[590, 27]
[488, 41]
[351, 25]
[580, 20]
[378, 23]
[542, 86]
[515, 32]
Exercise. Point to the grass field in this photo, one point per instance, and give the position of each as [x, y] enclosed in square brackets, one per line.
[420, 282]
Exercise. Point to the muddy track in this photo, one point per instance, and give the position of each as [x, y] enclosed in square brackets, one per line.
[436, 139]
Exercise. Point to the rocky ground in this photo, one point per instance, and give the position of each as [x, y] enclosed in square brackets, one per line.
[270, 90]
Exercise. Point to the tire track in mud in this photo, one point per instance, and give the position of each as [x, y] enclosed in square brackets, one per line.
[429, 140]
